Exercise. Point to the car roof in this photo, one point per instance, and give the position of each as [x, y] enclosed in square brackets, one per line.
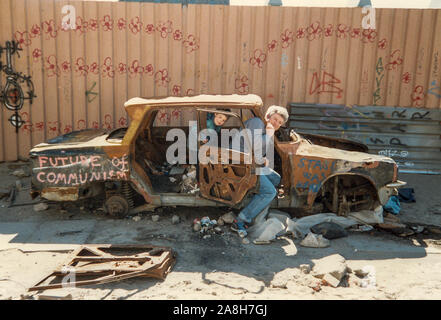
[200, 100]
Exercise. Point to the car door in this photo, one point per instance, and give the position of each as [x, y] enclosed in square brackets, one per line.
[220, 178]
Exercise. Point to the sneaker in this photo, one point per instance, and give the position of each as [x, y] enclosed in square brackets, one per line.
[240, 227]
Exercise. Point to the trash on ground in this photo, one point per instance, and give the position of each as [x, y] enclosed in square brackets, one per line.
[329, 230]
[176, 219]
[362, 228]
[368, 216]
[41, 206]
[206, 226]
[98, 264]
[21, 173]
[228, 217]
[301, 227]
[155, 218]
[393, 205]
[406, 195]
[189, 182]
[266, 231]
[136, 218]
[315, 241]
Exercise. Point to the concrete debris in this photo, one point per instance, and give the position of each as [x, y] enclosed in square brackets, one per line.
[21, 173]
[329, 230]
[41, 206]
[305, 268]
[220, 221]
[136, 218]
[334, 265]
[155, 218]
[228, 217]
[245, 241]
[331, 280]
[176, 219]
[367, 275]
[315, 241]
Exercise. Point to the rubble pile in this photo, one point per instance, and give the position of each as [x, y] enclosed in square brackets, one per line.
[206, 227]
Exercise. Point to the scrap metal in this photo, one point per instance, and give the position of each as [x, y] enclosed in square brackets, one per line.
[98, 264]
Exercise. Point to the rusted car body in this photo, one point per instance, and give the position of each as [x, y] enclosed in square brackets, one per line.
[318, 173]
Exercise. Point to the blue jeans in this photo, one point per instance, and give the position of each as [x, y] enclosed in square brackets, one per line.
[266, 193]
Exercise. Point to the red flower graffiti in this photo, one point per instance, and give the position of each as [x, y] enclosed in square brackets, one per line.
[258, 58]
[122, 68]
[314, 31]
[50, 28]
[81, 25]
[95, 125]
[39, 126]
[35, 31]
[149, 28]
[177, 35]
[93, 24]
[355, 33]
[81, 124]
[176, 90]
[108, 123]
[122, 122]
[22, 38]
[287, 38]
[417, 96]
[81, 67]
[148, 69]
[52, 68]
[163, 116]
[189, 92]
[165, 28]
[107, 23]
[135, 25]
[135, 68]
[328, 30]
[36, 54]
[122, 23]
[53, 127]
[67, 129]
[94, 68]
[406, 77]
[161, 78]
[241, 85]
[272, 46]
[394, 60]
[300, 33]
[65, 66]
[382, 44]
[107, 68]
[342, 30]
[191, 44]
[176, 113]
[369, 35]
[27, 125]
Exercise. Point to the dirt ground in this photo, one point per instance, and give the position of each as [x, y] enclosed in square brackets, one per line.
[220, 267]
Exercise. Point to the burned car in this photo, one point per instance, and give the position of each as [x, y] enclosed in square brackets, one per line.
[128, 169]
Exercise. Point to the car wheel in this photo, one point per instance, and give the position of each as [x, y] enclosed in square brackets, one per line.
[117, 206]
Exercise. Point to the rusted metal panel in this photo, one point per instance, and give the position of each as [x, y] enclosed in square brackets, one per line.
[98, 264]
[411, 136]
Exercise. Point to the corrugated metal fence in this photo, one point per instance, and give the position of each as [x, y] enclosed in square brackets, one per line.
[411, 136]
[119, 50]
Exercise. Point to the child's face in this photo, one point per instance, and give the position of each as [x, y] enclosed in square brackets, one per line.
[219, 119]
